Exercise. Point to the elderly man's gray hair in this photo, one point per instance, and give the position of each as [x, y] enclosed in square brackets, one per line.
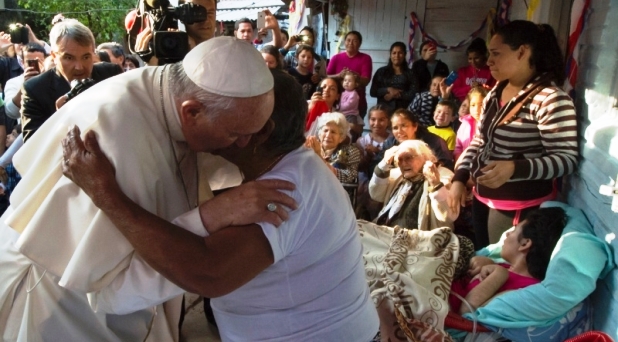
[72, 29]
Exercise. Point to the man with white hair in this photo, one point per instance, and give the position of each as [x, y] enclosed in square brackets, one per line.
[66, 273]
[72, 49]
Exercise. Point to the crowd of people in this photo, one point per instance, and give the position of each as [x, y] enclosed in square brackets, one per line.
[478, 154]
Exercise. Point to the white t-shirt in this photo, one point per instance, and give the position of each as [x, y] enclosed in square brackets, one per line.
[316, 288]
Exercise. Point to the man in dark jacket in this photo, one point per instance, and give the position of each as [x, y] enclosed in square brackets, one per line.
[72, 49]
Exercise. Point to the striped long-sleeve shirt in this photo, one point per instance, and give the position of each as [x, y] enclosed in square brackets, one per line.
[541, 139]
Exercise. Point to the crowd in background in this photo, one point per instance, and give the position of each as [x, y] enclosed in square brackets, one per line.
[422, 101]
[476, 150]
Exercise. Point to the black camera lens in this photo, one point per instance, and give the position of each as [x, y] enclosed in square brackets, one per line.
[171, 46]
[169, 43]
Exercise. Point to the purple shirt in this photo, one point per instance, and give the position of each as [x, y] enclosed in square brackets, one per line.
[361, 63]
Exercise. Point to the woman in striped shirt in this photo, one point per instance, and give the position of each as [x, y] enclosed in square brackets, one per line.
[528, 132]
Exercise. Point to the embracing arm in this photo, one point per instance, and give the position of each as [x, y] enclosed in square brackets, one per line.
[211, 266]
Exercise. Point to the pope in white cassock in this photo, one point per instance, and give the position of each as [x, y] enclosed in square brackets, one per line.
[66, 274]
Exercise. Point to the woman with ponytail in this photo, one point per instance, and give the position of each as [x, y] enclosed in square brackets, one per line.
[527, 136]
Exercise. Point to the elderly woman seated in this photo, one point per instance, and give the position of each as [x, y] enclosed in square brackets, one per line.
[414, 194]
[333, 146]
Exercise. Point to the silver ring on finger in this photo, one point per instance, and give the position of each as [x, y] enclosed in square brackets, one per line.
[271, 207]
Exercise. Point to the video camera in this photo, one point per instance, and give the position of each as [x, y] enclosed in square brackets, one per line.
[168, 44]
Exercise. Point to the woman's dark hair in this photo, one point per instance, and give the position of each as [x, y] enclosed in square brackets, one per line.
[407, 114]
[412, 117]
[477, 45]
[420, 49]
[357, 34]
[133, 60]
[310, 29]
[543, 227]
[289, 115]
[546, 56]
[103, 56]
[403, 47]
[340, 89]
[273, 51]
[287, 35]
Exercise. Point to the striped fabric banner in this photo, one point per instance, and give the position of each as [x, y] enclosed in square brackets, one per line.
[414, 23]
[579, 14]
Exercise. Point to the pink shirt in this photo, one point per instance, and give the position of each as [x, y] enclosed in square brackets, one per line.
[348, 104]
[361, 63]
[468, 75]
[465, 133]
[463, 286]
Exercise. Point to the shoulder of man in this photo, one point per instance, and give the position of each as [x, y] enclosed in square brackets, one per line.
[104, 70]
[42, 80]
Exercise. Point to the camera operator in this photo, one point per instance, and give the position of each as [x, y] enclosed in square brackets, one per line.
[72, 49]
[198, 32]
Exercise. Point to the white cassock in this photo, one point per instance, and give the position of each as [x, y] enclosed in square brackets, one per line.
[66, 273]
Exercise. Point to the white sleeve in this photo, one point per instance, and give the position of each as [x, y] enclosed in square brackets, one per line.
[139, 286]
[192, 221]
[7, 156]
[12, 87]
[11, 110]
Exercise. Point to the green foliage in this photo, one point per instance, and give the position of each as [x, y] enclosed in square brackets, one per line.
[105, 18]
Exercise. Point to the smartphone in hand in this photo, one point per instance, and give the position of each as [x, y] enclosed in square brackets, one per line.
[261, 20]
[34, 63]
[450, 79]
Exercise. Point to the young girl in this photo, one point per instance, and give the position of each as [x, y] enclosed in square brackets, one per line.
[424, 104]
[349, 104]
[371, 145]
[304, 70]
[476, 73]
[466, 130]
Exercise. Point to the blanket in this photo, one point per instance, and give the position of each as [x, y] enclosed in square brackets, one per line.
[409, 273]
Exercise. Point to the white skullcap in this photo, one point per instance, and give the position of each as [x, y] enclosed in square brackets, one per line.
[229, 67]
